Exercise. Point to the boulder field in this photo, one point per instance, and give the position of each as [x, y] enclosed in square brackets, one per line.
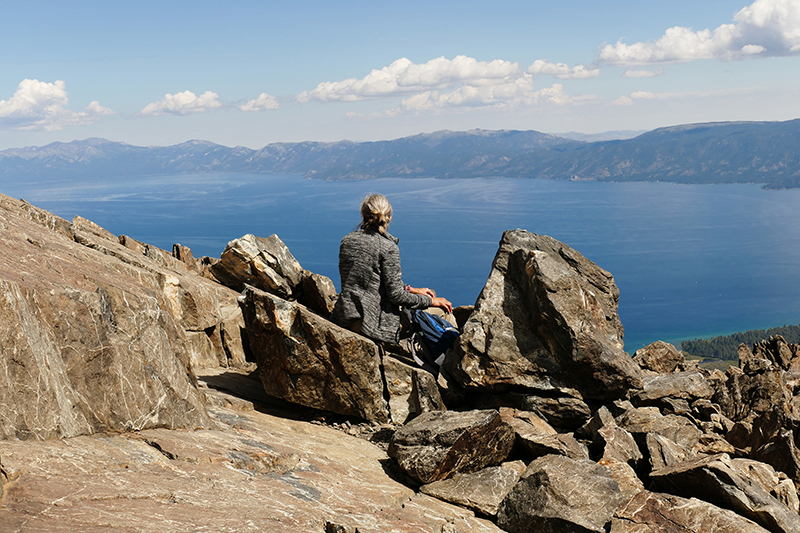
[147, 390]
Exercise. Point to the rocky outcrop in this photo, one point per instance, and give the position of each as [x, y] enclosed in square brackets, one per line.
[546, 324]
[97, 334]
[278, 473]
[106, 333]
[304, 359]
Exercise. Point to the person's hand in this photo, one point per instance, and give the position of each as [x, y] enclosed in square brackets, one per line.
[424, 290]
[442, 303]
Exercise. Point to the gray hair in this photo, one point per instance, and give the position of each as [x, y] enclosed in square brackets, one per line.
[376, 213]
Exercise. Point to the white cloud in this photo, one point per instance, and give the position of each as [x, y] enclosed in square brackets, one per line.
[764, 28]
[517, 93]
[38, 105]
[643, 73]
[462, 82]
[262, 103]
[562, 70]
[184, 103]
[638, 95]
[403, 77]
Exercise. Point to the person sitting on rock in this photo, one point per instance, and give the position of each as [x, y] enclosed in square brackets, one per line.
[372, 287]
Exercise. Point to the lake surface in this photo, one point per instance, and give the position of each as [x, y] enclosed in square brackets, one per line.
[690, 260]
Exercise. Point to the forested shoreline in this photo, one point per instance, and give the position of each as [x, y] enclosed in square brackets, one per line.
[726, 346]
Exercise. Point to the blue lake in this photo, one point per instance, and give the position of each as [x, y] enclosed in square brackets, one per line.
[690, 260]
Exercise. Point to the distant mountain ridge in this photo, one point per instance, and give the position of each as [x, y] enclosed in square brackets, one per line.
[722, 152]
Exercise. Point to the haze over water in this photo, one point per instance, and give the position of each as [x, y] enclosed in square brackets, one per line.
[690, 260]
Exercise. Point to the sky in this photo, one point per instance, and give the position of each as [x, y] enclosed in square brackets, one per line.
[251, 73]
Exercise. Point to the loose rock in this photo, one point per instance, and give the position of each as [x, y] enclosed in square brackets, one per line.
[482, 491]
[437, 444]
[264, 263]
[714, 479]
[649, 512]
[559, 494]
[659, 357]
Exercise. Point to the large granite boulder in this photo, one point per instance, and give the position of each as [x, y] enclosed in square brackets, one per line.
[546, 321]
[304, 359]
[438, 444]
[267, 264]
[94, 334]
[559, 494]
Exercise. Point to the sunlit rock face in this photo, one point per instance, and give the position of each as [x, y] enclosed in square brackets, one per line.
[546, 325]
[99, 335]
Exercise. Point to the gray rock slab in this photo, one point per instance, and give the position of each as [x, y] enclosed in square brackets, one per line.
[680, 385]
[644, 420]
[252, 473]
[319, 293]
[559, 494]
[618, 444]
[716, 480]
[665, 452]
[650, 512]
[411, 390]
[482, 491]
[436, 445]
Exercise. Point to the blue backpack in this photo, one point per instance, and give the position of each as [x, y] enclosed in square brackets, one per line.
[437, 335]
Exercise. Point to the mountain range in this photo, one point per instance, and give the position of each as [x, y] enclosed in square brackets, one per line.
[720, 152]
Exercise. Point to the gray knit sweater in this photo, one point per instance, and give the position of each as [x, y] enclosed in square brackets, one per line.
[372, 285]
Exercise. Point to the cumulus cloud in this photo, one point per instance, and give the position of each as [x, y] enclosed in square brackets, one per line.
[403, 77]
[185, 103]
[764, 28]
[264, 102]
[38, 105]
[643, 73]
[638, 95]
[462, 82]
[519, 92]
[562, 70]
[623, 100]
